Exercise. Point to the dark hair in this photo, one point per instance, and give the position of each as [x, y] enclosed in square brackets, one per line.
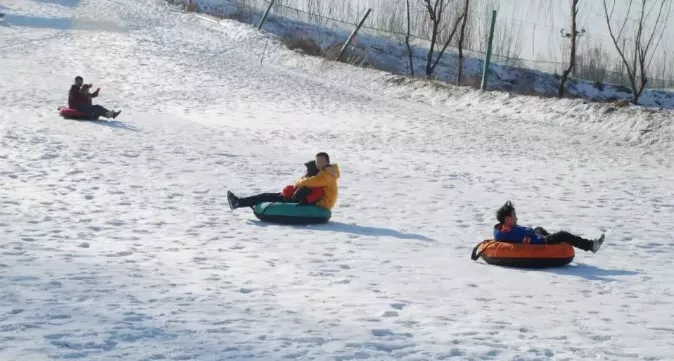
[506, 210]
[312, 169]
[324, 154]
[78, 77]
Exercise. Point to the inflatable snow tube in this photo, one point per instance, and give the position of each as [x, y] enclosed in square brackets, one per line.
[68, 113]
[524, 255]
[291, 213]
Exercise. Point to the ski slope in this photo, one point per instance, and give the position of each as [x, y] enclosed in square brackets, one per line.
[118, 243]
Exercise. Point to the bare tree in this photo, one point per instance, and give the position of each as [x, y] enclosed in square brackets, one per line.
[407, 38]
[643, 44]
[572, 57]
[437, 11]
[461, 39]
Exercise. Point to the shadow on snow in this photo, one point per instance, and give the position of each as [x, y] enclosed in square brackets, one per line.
[354, 229]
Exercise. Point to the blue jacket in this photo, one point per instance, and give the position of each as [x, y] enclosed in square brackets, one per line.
[517, 234]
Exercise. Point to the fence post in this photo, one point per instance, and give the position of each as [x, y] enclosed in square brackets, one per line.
[353, 34]
[485, 70]
[266, 13]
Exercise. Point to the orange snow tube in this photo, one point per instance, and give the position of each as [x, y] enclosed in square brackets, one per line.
[524, 255]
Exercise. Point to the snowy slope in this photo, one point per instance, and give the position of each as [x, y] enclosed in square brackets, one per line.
[118, 242]
[634, 125]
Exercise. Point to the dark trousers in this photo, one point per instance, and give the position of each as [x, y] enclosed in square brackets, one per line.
[565, 237]
[299, 197]
[93, 111]
[261, 198]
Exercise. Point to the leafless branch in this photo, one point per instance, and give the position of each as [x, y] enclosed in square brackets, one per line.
[643, 49]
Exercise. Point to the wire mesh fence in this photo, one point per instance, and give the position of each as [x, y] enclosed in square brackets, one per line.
[384, 32]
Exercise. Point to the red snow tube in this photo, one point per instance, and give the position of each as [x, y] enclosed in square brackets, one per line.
[68, 113]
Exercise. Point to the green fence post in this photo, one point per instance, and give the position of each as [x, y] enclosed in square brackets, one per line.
[353, 33]
[266, 13]
[485, 71]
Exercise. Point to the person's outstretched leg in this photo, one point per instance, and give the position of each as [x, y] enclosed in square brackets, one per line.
[576, 241]
[236, 202]
[101, 111]
[96, 111]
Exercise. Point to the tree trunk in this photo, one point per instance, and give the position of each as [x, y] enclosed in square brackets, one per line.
[435, 19]
[459, 71]
[642, 43]
[572, 57]
[451, 36]
[407, 39]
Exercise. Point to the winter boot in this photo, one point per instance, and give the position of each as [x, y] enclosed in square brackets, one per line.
[597, 243]
[233, 200]
[115, 113]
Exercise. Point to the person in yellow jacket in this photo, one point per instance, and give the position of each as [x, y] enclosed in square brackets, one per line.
[327, 177]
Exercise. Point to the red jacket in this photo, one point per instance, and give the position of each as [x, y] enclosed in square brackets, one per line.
[313, 197]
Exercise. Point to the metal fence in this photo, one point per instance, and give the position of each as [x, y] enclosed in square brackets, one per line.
[594, 62]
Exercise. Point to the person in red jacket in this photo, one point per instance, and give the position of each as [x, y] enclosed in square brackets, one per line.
[79, 98]
[290, 193]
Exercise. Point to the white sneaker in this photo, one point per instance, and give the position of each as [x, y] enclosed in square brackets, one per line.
[597, 243]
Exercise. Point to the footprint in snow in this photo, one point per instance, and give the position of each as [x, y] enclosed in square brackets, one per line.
[381, 333]
[120, 254]
[398, 306]
[390, 314]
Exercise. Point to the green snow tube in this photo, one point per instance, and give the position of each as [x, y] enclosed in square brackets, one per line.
[291, 213]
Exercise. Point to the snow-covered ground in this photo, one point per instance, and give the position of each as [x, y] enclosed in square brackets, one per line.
[119, 244]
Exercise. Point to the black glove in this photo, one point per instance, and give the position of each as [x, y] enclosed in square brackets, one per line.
[300, 195]
[541, 231]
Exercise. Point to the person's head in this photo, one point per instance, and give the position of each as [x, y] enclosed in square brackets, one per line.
[79, 80]
[312, 168]
[322, 160]
[506, 215]
[85, 87]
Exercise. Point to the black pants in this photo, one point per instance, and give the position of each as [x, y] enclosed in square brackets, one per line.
[94, 111]
[299, 197]
[565, 237]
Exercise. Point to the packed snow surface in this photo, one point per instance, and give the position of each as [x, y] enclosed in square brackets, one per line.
[118, 243]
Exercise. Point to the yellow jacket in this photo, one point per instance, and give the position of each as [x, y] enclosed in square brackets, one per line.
[326, 178]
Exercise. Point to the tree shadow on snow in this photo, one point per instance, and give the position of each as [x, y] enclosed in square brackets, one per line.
[66, 3]
[356, 229]
[38, 22]
[590, 272]
[61, 23]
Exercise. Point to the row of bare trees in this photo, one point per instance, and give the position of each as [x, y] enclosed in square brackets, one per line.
[443, 27]
[636, 33]
[635, 39]
[443, 23]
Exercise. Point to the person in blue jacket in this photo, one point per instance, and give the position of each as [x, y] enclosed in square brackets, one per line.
[507, 230]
